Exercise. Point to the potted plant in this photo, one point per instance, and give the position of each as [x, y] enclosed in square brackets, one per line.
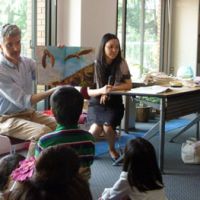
[142, 111]
[144, 107]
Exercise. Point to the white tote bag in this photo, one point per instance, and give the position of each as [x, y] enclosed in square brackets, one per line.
[190, 151]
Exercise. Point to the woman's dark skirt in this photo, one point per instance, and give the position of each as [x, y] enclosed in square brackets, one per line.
[110, 114]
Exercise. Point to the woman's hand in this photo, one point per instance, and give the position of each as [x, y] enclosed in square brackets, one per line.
[100, 91]
[103, 98]
[106, 89]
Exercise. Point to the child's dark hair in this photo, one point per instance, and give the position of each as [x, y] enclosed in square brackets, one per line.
[57, 164]
[7, 164]
[56, 177]
[67, 104]
[141, 164]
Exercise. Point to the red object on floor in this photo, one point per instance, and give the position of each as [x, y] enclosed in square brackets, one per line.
[82, 118]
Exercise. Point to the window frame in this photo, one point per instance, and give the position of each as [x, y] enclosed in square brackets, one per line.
[165, 35]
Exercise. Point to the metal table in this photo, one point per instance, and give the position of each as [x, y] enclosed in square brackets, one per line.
[175, 103]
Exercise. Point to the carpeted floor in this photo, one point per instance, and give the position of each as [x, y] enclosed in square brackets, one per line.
[101, 147]
[181, 180]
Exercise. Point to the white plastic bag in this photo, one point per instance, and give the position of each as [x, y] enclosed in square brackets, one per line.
[190, 151]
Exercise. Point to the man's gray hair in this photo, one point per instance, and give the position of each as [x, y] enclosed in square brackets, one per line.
[9, 30]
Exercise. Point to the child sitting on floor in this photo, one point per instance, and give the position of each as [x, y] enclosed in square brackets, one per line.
[7, 164]
[141, 178]
[67, 104]
[53, 175]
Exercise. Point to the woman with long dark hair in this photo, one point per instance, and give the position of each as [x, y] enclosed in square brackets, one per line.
[105, 111]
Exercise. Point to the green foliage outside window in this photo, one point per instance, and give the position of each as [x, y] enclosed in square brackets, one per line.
[142, 34]
[15, 12]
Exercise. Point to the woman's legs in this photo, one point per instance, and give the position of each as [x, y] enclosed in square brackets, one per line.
[110, 135]
[96, 130]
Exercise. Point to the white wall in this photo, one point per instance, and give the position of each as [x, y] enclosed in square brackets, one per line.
[98, 18]
[83, 22]
[184, 34]
[69, 22]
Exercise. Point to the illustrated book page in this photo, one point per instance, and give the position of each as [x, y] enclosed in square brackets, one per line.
[66, 65]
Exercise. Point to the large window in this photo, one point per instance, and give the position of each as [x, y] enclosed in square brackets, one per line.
[139, 32]
[19, 13]
[29, 15]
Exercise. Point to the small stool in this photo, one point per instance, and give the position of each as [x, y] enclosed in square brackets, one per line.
[9, 144]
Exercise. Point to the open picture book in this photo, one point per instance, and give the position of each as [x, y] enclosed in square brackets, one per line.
[66, 65]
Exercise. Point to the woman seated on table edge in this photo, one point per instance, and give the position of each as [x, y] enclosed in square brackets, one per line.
[105, 111]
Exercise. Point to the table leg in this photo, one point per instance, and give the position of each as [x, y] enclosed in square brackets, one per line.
[194, 121]
[152, 132]
[197, 132]
[162, 134]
